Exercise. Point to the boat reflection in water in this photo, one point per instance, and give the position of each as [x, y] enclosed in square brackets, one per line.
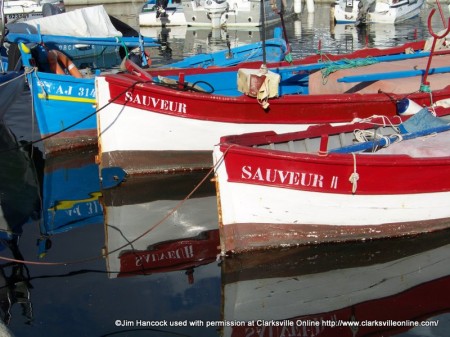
[151, 228]
[310, 290]
[19, 202]
[70, 195]
[178, 42]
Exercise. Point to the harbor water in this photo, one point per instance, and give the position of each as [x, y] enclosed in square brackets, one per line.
[142, 259]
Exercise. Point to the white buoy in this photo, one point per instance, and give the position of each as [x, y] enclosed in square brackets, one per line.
[407, 107]
[297, 6]
[310, 6]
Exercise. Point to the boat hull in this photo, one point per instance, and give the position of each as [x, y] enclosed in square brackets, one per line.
[174, 16]
[303, 198]
[65, 111]
[401, 11]
[382, 12]
[242, 13]
[192, 122]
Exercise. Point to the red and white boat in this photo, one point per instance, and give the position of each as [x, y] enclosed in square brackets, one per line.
[333, 183]
[377, 288]
[156, 121]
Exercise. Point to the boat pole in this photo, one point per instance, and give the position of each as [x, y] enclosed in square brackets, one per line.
[263, 33]
[441, 13]
[425, 86]
[2, 30]
[288, 56]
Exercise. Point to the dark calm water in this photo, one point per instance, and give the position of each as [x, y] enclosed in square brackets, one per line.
[170, 276]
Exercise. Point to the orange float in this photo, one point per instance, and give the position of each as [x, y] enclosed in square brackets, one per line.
[58, 61]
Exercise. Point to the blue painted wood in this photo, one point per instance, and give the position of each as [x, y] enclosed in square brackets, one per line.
[387, 58]
[112, 177]
[59, 39]
[391, 75]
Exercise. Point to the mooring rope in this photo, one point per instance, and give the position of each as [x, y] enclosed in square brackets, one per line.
[354, 177]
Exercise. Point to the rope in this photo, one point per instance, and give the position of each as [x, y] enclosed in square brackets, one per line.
[354, 177]
[345, 64]
[13, 79]
[119, 39]
[368, 135]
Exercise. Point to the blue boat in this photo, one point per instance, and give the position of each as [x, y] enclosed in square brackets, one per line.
[64, 99]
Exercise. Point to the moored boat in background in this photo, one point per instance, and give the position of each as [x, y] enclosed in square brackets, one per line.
[237, 13]
[154, 15]
[375, 11]
[22, 10]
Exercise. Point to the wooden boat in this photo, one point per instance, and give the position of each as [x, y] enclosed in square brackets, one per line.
[186, 123]
[376, 288]
[54, 94]
[236, 13]
[151, 227]
[154, 15]
[357, 181]
[377, 11]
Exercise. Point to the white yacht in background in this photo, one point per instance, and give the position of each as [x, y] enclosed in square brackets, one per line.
[29, 9]
[375, 11]
[237, 13]
[154, 14]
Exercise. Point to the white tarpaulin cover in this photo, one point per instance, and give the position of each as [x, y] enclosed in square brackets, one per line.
[84, 22]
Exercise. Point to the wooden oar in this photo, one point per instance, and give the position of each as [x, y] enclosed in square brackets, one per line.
[392, 75]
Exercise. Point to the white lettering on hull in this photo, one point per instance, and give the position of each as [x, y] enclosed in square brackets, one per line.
[157, 103]
[294, 178]
[283, 177]
[181, 253]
